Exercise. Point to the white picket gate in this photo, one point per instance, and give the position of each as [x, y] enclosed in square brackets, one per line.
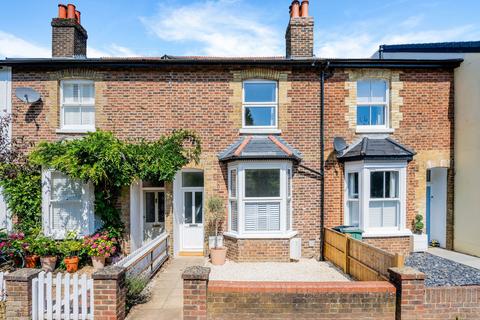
[62, 296]
[3, 287]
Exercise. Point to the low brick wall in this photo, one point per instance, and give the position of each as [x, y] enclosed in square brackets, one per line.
[400, 245]
[259, 250]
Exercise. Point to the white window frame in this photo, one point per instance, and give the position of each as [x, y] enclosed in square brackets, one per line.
[88, 198]
[364, 168]
[374, 128]
[76, 128]
[240, 167]
[259, 104]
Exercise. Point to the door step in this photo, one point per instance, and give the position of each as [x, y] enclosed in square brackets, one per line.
[190, 253]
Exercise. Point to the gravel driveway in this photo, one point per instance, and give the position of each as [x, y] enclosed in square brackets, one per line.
[443, 272]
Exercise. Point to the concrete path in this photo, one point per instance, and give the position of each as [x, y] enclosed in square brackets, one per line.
[167, 292]
[465, 259]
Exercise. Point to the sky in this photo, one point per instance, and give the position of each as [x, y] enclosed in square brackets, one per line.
[343, 28]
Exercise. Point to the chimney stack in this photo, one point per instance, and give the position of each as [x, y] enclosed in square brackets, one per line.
[69, 38]
[299, 35]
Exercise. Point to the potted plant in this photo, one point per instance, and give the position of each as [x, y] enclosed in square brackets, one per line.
[16, 245]
[70, 248]
[30, 249]
[47, 249]
[98, 247]
[216, 216]
[420, 240]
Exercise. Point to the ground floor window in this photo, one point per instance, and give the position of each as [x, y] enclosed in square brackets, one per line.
[260, 198]
[375, 197]
[153, 208]
[67, 205]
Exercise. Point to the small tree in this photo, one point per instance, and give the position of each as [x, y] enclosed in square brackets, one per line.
[216, 210]
[418, 224]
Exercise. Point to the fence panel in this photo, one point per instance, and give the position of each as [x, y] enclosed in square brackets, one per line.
[62, 296]
[362, 261]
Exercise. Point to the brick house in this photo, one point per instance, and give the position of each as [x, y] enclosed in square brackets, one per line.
[267, 126]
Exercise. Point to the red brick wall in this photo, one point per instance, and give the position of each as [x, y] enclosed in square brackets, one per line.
[246, 250]
[452, 303]
[400, 245]
[146, 104]
[300, 300]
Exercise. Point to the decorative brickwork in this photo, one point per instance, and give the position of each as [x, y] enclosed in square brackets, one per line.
[19, 291]
[109, 292]
[195, 282]
[69, 39]
[246, 250]
[400, 245]
[299, 37]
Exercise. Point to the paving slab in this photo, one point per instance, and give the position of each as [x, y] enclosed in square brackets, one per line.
[465, 259]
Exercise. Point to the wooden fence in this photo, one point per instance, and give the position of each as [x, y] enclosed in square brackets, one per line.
[145, 261]
[361, 261]
[62, 296]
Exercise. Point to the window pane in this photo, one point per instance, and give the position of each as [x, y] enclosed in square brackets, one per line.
[375, 214]
[363, 115]
[353, 213]
[262, 216]
[260, 92]
[88, 93]
[65, 188]
[260, 116]
[391, 184]
[198, 207]
[68, 216]
[289, 183]
[192, 179]
[187, 204]
[390, 213]
[363, 91]
[379, 90]
[233, 183]
[161, 207]
[71, 93]
[71, 116]
[377, 115]
[383, 213]
[353, 185]
[88, 115]
[234, 212]
[289, 214]
[150, 207]
[376, 184]
[262, 183]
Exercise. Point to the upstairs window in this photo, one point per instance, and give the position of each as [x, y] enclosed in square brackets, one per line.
[77, 105]
[372, 104]
[260, 104]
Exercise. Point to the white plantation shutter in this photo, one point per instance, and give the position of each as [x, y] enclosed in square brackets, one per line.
[262, 216]
[234, 215]
[78, 103]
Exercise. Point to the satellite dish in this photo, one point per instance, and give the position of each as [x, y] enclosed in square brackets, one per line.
[27, 95]
[339, 144]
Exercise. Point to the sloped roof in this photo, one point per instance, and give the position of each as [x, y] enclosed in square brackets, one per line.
[260, 147]
[461, 46]
[377, 149]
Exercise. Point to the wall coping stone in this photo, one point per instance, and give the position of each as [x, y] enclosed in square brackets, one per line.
[22, 275]
[196, 273]
[109, 273]
[406, 273]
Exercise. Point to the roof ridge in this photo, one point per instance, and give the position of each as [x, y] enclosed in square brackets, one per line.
[398, 144]
[242, 146]
[280, 145]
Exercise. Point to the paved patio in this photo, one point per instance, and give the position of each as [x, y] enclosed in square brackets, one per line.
[167, 292]
[465, 259]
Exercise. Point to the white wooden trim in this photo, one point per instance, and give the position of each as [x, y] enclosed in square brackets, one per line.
[274, 104]
[6, 102]
[76, 128]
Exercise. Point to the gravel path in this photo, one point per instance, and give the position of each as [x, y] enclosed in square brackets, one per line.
[443, 272]
[308, 270]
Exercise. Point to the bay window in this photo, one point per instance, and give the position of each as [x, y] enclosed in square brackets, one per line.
[260, 198]
[375, 197]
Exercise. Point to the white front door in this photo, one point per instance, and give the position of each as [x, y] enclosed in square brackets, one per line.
[188, 197]
[438, 205]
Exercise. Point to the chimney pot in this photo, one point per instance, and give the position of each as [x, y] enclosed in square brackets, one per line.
[304, 8]
[295, 9]
[62, 11]
[77, 16]
[70, 11]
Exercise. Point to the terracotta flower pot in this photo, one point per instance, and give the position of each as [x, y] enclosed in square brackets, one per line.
[48, 263]
[71, 263]
[31, 261]
[218, 256]
[98, 262]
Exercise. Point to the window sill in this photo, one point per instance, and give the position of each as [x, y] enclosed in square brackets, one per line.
[376, 234]
[286, 235]
[375, 130]
[86, 130]
[259, 131]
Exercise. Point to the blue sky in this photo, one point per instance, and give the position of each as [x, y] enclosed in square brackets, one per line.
[343, 28]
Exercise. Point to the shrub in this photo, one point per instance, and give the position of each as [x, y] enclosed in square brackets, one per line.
[100, 245]
[71, 246]
[418, 224]
[136, 291]
[216, 216]
[46, 246]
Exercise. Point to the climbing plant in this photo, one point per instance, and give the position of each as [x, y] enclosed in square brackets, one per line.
[111, 164]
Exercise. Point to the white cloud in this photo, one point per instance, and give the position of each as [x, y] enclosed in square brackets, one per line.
[12, 46]
[217, 28]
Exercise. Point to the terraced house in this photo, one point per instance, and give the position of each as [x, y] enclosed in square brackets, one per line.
[267, 126]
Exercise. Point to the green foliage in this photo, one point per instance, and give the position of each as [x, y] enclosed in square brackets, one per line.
[111, 164]
[418, 224]
[216, 214]
[136, 291]
[71, 246]
[46, 246]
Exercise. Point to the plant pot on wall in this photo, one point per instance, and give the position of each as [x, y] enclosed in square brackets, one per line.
[218, 256]
[48, 263]
[98, 262]
[31, 261]
[71, 264]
